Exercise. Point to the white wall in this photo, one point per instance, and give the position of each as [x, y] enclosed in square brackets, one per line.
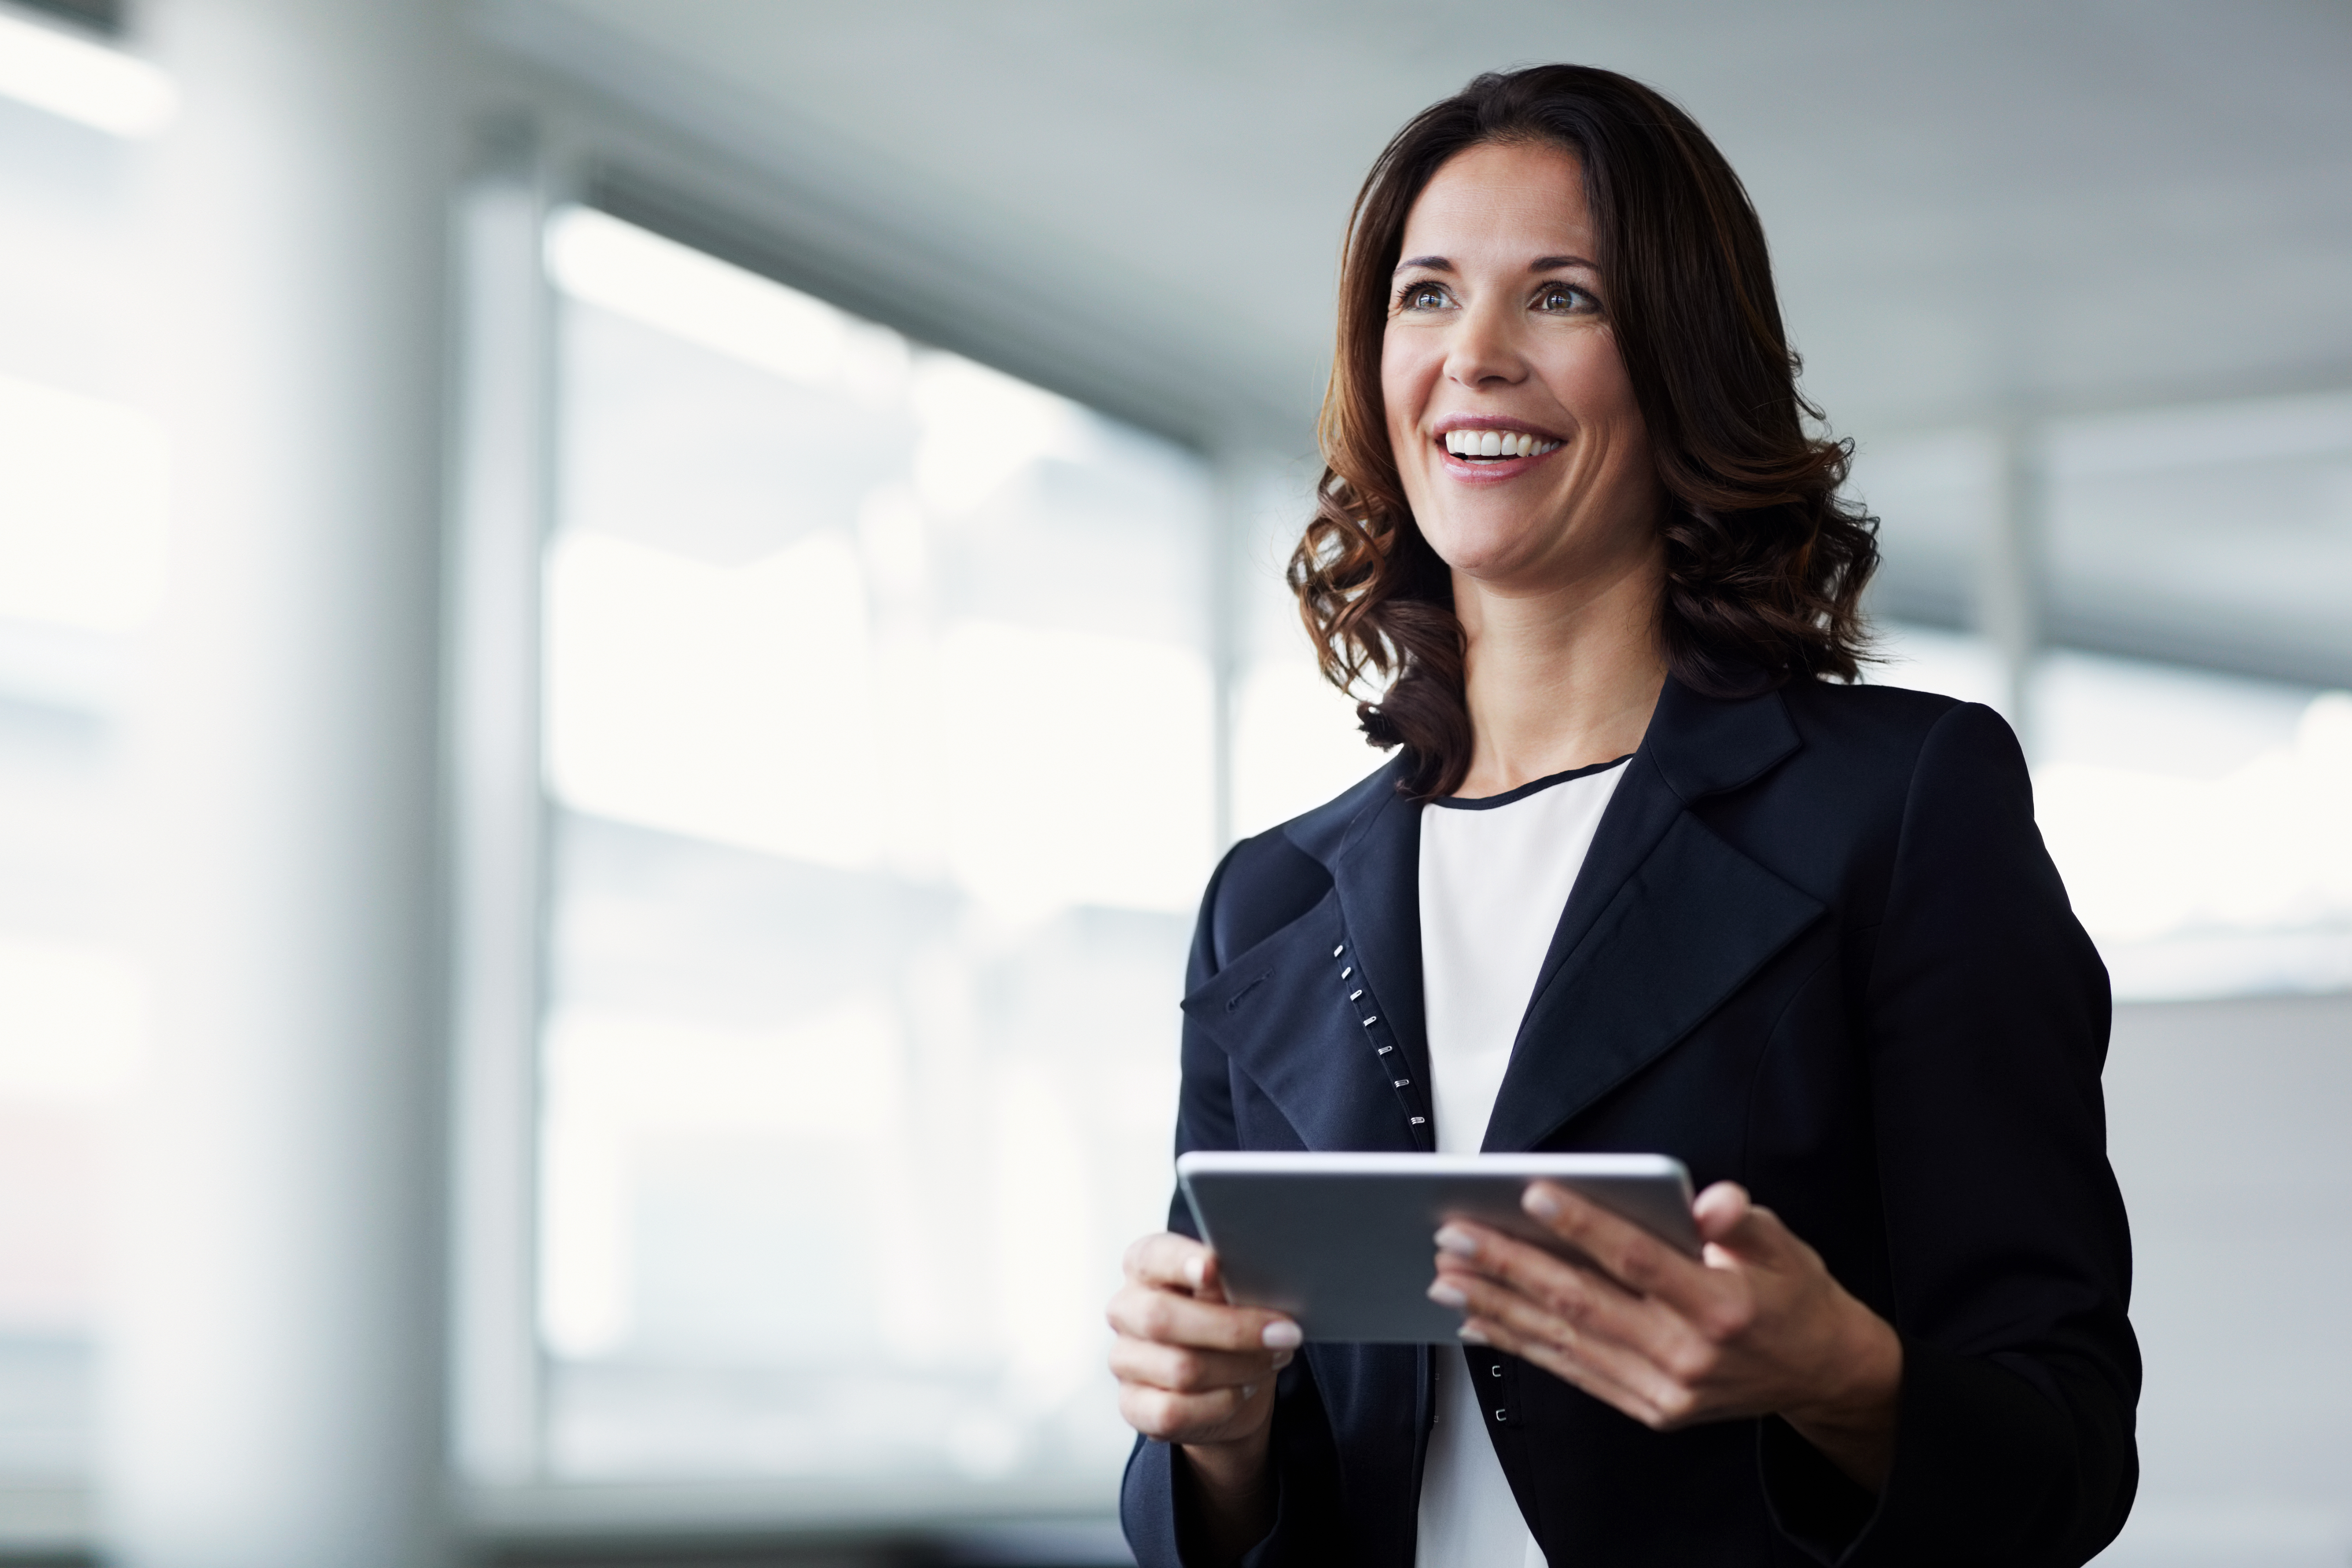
[2227, 1121]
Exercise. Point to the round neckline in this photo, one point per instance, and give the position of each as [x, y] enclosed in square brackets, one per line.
[1489, 802]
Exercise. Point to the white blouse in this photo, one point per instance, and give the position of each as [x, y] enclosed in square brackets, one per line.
[1494, 878]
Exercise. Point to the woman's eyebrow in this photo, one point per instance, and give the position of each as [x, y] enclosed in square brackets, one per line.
[1540, 264]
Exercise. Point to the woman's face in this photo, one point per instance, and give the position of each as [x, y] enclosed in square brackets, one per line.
[1516, 435]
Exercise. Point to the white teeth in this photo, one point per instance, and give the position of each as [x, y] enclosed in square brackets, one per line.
[1497, 444]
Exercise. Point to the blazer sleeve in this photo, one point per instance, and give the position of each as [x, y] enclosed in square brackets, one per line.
[1305, 1458]
[1984, 1018]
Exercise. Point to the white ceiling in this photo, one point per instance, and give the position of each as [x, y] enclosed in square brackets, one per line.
[1978, 210]
[1974, 206]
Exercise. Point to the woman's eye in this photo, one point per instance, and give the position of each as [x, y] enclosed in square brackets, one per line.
[1560, 298]
[1423, 297]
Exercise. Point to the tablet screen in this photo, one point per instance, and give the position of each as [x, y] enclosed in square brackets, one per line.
[1343, 1242]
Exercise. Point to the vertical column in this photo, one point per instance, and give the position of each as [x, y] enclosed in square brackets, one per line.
[497, 809]
[276, 1366]
[1228, 627]
[2009, 566]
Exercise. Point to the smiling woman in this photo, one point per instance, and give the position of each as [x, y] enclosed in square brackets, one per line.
[1764, 565]
[1648, 874]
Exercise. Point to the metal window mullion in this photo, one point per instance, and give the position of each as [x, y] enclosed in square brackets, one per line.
[502, 451]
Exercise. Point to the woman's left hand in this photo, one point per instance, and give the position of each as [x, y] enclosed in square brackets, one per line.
[1757, 1327]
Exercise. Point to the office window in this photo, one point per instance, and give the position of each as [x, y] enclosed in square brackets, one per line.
[878, 743]
[82, 484]
[2198, 817]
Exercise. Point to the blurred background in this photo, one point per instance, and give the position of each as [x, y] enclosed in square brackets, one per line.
[626, 631]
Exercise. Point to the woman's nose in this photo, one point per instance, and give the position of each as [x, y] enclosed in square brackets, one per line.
[1483, 351]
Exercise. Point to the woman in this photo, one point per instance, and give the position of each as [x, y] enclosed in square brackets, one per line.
[1641, 878]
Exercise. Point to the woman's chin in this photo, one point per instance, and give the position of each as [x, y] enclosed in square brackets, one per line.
[1490, 547]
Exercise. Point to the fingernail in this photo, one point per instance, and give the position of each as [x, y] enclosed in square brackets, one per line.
[1540, 1202]
[1282, 1336]
[1195, 1270]
[1282, 1359]
[1460, 1243]
[1469, 1335]
[1446, 1294]
[1249, 1391]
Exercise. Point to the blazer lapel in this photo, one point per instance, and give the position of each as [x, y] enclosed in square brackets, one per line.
[1378, 878]
[1665, 920]
[1323, 1015]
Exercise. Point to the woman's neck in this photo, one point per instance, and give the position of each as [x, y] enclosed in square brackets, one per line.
[1561, 678]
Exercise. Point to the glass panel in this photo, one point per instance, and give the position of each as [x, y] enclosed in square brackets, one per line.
[81, 568]
[2199, 819]
[879, 716]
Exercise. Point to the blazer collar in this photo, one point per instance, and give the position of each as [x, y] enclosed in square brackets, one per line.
[1369, 840]
[1707, 745]
[1696, 746]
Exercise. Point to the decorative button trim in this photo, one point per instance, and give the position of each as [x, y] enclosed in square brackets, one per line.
[1502, 1416]
[1496, 1369]
[1357, 995]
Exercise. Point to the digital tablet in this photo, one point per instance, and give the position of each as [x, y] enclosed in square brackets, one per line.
[1342, 1242]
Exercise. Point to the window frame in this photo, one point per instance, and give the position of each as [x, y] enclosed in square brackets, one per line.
[502, 511]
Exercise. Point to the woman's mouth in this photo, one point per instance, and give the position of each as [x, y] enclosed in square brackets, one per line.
[1489, 452]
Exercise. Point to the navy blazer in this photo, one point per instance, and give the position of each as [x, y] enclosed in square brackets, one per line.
[1817, 948]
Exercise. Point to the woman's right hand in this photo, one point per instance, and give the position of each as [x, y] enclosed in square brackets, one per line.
[1196, 1370]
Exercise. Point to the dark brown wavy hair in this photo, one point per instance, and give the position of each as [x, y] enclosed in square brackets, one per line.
[1765, 564]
